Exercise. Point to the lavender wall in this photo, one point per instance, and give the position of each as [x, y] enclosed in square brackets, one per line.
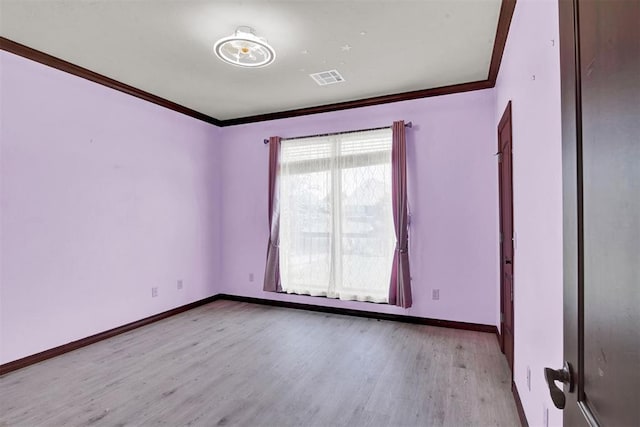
[453, 198]
[102, 196]
[530, 77]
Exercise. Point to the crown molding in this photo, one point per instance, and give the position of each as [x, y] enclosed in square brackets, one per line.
[507, 8]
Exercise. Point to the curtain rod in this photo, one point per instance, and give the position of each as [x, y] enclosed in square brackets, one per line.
[408, 124]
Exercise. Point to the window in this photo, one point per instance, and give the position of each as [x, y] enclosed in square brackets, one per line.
[337, 235]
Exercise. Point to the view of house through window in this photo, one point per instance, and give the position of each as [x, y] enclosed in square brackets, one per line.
[337, 235]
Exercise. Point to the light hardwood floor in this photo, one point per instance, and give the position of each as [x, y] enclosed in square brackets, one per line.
[230, 363]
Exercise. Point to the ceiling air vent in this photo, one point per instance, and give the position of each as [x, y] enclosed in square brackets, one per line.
[327, 77]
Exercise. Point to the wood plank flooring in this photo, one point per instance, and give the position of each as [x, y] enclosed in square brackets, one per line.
[231, 363]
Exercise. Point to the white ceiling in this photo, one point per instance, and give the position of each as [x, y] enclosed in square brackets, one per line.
[166, 47]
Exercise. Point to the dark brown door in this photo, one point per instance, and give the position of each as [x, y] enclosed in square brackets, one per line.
[600, 62]
[505, 182]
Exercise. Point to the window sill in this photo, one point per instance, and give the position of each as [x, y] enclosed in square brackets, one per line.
[370, 300]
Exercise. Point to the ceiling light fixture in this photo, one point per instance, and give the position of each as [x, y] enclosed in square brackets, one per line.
[244, 49]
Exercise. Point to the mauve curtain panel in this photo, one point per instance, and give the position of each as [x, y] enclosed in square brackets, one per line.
[272, 270]
[400, 286]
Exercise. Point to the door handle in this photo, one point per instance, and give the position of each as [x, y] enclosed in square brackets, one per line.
[564, 375]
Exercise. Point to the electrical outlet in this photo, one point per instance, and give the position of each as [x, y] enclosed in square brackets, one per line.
[179, 284]
[529, 378]
[545, 416]
[154, 291]
[251, 277]
[435, 294]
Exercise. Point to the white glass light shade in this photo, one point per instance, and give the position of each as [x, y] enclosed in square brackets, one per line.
[244, 49]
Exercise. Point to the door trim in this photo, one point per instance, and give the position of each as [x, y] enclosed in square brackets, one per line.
[505, 301]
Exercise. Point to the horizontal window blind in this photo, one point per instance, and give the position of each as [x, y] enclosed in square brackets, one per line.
[347, 150]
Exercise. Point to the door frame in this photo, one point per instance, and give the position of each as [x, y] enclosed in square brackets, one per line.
[506, 302]
[571, 101]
